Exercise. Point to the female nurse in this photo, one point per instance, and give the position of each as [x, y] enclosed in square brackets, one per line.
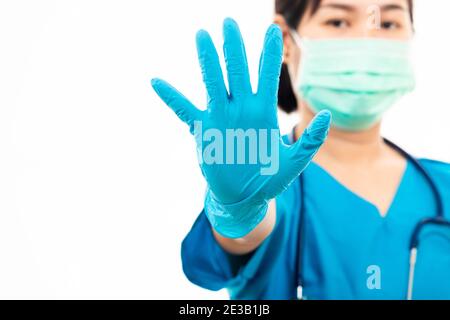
[334, 206]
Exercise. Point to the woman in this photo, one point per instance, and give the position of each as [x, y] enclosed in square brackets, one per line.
[339, 225]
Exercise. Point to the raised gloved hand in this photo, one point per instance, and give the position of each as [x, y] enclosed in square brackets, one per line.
[241, 154]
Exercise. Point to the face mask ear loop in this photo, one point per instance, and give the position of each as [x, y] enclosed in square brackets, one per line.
[296, 37]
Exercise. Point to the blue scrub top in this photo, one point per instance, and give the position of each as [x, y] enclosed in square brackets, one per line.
[350, 251]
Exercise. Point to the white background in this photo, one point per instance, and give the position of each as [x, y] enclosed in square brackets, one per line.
[98, 179]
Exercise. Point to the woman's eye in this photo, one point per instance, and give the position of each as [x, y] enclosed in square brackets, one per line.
[336, 23]
[389, 25]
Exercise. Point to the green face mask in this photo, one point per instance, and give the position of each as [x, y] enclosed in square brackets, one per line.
[356, 79]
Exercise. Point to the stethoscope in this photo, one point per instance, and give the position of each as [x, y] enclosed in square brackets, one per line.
[438, 219]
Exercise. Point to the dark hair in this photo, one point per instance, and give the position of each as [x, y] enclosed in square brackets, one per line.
[293, 11]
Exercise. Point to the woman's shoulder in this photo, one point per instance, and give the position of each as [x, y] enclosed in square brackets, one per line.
[436, 168]
[435, 164]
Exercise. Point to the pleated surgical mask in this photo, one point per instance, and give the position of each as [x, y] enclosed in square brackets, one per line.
[356, 79]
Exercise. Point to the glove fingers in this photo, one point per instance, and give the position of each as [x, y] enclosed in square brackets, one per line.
[211, 70]
[182, 107]
[311, 140]
[270, 65]
[235, 59]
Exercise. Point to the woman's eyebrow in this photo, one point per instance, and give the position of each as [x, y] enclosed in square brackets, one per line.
[390, 7]
[350, 8]
[340, 6]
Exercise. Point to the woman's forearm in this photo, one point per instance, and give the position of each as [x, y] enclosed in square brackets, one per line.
[254, 239]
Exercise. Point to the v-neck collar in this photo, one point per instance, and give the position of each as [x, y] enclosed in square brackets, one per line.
[360, 198]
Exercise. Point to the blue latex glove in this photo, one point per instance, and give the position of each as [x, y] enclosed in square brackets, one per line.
[237, 195]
